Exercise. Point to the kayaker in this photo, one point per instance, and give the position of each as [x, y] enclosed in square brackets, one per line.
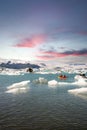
[61, 75]
[64, 76]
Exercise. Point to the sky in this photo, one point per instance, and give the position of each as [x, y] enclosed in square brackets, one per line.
[51, 31]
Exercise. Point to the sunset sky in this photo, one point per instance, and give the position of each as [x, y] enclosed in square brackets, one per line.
[44, 30]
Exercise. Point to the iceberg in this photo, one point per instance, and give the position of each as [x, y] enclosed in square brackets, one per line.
[52, 83]
[16, 88]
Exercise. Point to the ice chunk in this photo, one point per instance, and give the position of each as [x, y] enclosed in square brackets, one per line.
[52, 83]
[41, 80]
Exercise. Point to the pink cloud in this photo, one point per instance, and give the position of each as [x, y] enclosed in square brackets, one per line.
[83, 32]
[45, 57]
[32, 42]
[49, 55]
[54, 54]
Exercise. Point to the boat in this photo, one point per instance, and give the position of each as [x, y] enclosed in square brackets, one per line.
[30, 70]
[83, 75]
[62, 77]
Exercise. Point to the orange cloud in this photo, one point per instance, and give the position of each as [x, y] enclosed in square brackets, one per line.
[32, 42]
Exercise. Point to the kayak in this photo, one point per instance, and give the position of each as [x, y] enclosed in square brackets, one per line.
[62, 77]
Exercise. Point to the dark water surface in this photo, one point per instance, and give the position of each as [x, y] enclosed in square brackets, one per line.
[41, 107]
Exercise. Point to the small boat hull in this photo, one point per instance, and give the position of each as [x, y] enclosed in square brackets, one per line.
[62, 78]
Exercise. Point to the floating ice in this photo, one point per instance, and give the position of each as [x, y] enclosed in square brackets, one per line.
[52, 83]
[78, 77]
[17, 90]
[41, 80]
[20, 87]
[78, 91]
[80, 81]
[81, 92]
[64, 83]
[10, 72]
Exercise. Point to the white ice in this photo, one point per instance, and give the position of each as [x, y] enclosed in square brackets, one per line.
[52, 83]
[20, 87]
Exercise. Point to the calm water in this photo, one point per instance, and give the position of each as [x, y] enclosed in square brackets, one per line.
[41, 107]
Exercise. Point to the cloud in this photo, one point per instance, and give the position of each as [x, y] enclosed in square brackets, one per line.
[49, 55]
[31, 42]
[82, 52]
[45, 57]
[82, 33]
[51, 35]
[62, 30]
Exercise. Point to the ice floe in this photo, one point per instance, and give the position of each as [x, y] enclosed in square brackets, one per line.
[52, 83]
[18, 87]
[78, 90]
[40, 80]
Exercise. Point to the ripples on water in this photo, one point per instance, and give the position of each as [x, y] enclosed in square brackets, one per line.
[41, 107]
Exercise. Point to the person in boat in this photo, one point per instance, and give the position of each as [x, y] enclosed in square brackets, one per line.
[83, 75]
[64, 76]
[30, 70]
[61, 76]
